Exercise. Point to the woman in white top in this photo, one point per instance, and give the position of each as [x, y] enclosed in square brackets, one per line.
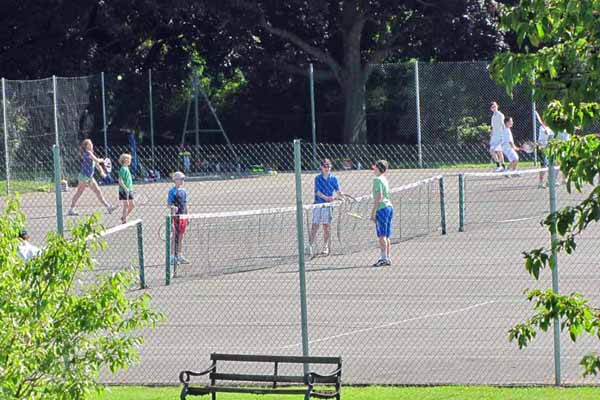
[496, 137]
[508, 144]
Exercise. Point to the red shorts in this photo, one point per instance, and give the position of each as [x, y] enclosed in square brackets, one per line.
[179, 225]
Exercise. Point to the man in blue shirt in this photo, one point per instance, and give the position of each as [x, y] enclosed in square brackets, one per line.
[326, 188]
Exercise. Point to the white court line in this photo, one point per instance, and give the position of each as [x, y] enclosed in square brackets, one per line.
[505, 221]
[372, 328]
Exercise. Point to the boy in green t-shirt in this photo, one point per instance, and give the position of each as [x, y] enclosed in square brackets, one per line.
[383, 212]
[125, 186]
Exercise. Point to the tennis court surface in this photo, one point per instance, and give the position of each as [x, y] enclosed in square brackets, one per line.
[439, 314]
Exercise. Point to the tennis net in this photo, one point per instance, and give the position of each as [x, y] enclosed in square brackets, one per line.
[232, 242]
[502, 197]
[123, 250]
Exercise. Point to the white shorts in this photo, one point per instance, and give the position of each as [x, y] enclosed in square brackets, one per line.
[510, 153]
[322, 215]
[495, 145]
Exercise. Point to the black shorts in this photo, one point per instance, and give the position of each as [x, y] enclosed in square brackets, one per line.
[125, 195]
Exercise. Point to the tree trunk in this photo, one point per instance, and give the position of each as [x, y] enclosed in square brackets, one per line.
[353, 76]
[355, 115]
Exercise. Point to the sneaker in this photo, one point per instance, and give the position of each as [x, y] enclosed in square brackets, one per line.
[499, 169]
[388, 262]
[541, 185]
[308, 250]
[72, 212]
[325, 251]
[380, 263]
[182, 260]
[109, 208]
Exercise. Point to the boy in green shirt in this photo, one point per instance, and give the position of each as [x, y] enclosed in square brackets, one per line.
[125, 186]
[383, 212]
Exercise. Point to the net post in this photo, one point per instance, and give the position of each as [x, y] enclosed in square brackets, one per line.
[554, 265]
[58, 189]
[140, 241]
[167, 250]
[6, 157]
[442, 205]
[300, 240]
[461, 202]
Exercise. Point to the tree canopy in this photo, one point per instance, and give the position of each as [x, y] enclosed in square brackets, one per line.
[269, 43]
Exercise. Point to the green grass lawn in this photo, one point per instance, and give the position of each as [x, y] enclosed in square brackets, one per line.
[379, 393]
[26, 186]
[488, 165]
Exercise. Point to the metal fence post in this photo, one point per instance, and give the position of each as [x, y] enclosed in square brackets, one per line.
[104, 124]
[196, 110]
[55, 100]
[534, 125]
[58, 189]
[554, 266]
[300, 236]
[313, 122]
[6, 151]
[419, 145]
[151, 109]
[140, 240]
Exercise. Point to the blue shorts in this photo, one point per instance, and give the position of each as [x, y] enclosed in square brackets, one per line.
[383, 221]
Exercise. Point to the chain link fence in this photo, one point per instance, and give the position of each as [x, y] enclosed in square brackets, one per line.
[439, 315]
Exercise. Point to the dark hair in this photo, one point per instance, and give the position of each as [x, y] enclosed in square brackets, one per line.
[326, 161]
[507, 118]
[381, 165]
[494, 102]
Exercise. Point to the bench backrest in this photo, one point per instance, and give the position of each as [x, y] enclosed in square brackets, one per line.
[275, 377]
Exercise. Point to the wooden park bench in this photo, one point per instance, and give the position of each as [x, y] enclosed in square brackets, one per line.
[257, 383]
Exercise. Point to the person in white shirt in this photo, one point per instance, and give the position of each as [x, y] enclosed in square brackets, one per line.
[496, 137]
[26, 250]
[508, 144]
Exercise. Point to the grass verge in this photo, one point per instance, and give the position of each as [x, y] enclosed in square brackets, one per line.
[25, 186]
[380, 393]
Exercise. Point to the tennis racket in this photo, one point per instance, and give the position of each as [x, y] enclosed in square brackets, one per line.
[357, 216]
[107, 165]
[527, 146]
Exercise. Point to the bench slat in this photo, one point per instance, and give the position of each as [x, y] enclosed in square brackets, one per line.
[256, 390]
[281, 359]
[257, 378]
[269, 378]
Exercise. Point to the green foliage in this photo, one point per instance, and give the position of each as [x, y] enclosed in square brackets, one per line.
[558, 54]
[471, 131]
[57, 333]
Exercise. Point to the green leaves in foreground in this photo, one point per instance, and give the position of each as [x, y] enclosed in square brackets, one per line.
[574, 314]
[579, 162]
[57, 332]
